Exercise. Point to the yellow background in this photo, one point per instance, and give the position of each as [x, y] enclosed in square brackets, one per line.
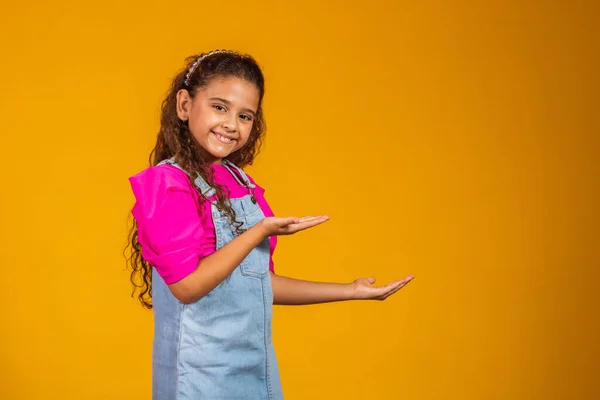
[457, 141]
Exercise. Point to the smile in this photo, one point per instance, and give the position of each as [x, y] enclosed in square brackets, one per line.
[221, 138]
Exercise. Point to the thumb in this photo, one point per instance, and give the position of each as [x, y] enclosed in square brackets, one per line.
[371, 280]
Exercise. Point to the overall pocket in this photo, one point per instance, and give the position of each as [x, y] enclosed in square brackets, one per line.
[257, 262]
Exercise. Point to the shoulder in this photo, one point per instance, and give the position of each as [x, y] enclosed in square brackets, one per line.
[164, 176]
[153, 186]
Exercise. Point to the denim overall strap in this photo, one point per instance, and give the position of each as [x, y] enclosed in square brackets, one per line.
[239, 174]
[204, 187]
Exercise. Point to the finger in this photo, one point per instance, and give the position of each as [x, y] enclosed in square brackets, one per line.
[371, 280]
[287, 221]
[401, 283]
[314, 222]
[312, 218]
[390, 287]
[385, 296]
[309, 224]
[387, 290]
[380, 292]
[405, 280]
[393, 285]
[396, 289]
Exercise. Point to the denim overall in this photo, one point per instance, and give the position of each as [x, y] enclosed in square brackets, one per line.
[219, 347]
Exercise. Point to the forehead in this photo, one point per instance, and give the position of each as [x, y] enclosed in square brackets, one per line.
[235, 90]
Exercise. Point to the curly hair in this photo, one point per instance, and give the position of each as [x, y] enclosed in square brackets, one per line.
[175, 140]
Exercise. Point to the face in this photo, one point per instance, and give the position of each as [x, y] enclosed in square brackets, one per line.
[220, 116]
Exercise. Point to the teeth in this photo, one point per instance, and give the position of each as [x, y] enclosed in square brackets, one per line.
[223, 138]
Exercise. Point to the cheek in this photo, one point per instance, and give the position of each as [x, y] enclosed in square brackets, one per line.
[245, 133]
[201, 121]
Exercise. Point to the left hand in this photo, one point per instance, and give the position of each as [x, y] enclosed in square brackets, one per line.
[363, 288]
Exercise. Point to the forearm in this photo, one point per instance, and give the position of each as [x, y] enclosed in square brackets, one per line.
[213, 269]
[290, 291]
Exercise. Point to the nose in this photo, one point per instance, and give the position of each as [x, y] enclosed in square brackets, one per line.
[230, 122]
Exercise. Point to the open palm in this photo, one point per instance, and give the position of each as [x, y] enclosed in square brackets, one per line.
[363, 288]
[290, 225]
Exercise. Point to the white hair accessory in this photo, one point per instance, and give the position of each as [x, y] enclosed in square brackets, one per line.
[199, 59]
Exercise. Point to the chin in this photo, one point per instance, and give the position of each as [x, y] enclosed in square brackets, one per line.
[219, 155]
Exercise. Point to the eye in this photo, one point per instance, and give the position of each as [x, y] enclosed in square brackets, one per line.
[219, 107]
[246, 117]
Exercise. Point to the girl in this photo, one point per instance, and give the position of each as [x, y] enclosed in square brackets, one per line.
[203, 240]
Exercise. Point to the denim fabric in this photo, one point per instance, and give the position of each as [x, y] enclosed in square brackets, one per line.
[219, 347]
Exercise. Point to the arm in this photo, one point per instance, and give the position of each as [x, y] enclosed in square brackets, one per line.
[289, 291]
[213, 269]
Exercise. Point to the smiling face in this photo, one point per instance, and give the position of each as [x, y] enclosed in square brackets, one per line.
[220, 116]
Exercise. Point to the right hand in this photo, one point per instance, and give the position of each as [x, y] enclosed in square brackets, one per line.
[276, 226]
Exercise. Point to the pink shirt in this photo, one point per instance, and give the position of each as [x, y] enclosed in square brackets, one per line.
[175, 230]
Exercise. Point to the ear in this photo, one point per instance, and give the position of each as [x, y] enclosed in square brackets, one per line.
[184, 104]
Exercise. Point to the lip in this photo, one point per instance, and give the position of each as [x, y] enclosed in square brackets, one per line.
[219, 135]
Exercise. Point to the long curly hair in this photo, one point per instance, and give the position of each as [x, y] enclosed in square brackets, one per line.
[175, 140]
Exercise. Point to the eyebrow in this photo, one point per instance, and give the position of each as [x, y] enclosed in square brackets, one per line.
[229, 103]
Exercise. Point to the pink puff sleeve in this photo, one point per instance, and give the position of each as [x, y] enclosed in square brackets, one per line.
[169, 226]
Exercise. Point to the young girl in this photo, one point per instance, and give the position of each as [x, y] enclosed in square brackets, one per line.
[203, 240]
